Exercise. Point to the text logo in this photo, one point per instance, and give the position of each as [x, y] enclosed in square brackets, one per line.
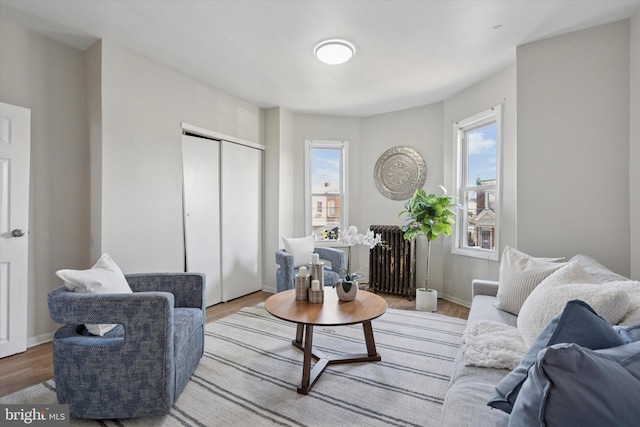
[53, 415]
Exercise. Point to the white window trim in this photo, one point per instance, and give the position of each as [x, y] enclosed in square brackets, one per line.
[458, 130]
[344, 145]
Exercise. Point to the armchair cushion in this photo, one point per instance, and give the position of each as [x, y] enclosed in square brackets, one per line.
[105, 277]
[300, 248]
[187, 321]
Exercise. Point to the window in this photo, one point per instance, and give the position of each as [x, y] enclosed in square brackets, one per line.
[325, 185]
[478, 183]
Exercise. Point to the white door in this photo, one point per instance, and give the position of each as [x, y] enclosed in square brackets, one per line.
[241, 220]
[15, 141]
[201, 181]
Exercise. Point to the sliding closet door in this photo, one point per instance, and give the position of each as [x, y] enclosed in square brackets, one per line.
[241, 219]
[201, 175]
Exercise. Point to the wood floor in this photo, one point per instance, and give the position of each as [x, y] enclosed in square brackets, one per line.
[35, 366]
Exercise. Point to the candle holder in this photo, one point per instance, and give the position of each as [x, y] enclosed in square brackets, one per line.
[302, 286]
[316, 297]
[317, 272]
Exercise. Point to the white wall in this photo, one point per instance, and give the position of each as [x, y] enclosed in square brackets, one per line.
[48, 77]
[634, 147]
[573, 146]
[143, 105]
[93, 75]
[500, 88]
[418, 128]
[272, 185]
[279, 178]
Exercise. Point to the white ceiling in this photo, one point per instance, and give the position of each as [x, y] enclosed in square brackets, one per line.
[409, 53]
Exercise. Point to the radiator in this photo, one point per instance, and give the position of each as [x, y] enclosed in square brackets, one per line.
[392, 270]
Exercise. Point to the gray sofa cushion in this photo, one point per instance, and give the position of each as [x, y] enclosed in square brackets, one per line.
[465, 403]
[597, 270]
[604, 384]
[483, 308]
[470, 387]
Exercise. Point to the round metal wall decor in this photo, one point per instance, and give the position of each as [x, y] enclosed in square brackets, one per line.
[399, 172]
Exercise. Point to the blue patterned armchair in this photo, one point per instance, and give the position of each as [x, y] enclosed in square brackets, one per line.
[141, 366]
[286, 272]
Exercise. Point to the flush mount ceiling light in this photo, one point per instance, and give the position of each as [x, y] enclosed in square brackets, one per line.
[335, 51]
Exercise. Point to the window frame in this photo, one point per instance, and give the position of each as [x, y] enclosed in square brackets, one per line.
[309, 210]
[460, 129]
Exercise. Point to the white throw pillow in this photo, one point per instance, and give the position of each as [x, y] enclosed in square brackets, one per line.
[519, 275]
[301, 249]
[570, 282]
[632, 288]
[105, 277]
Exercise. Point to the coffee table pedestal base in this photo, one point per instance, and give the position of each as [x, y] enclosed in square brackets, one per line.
[304, 341]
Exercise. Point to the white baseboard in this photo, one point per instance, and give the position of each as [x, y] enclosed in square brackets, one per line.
[456, 300]
[40, 339]
[270, 289]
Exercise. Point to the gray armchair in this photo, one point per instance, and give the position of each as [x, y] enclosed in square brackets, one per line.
[141, 366]
[286, 273]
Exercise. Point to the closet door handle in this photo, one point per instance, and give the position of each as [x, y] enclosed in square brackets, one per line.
[17, 233]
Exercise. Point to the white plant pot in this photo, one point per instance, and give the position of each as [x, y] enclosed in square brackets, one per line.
[426, 300]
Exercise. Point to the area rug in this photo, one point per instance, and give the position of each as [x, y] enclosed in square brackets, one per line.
[249, 374]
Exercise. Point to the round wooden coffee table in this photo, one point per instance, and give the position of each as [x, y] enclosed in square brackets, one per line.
[333, 312]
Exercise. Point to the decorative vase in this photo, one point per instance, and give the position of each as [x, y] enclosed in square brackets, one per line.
[347, 291]
[426, 299]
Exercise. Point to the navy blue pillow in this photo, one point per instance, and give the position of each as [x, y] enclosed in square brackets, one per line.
[578, 324]
[570, 385]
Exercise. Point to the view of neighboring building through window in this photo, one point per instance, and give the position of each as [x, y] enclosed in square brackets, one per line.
[325, 188]
[478, 143]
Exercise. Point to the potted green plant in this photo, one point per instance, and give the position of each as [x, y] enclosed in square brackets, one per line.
[431, 216]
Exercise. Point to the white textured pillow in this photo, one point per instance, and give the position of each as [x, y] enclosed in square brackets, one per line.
[570, 282]
[105, 277]
[301, 249]
[632, 288]
[519, 275]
